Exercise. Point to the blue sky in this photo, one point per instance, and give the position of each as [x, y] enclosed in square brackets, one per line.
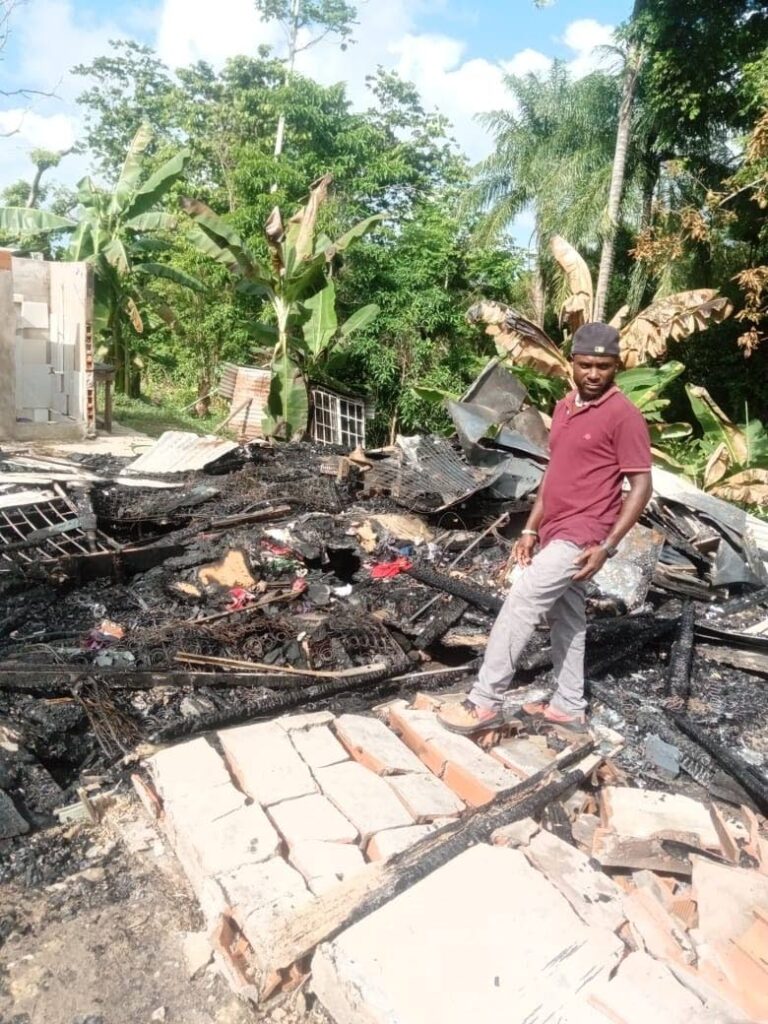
[456, 52]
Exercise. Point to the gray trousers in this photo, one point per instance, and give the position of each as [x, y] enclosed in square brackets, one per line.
[544, 587]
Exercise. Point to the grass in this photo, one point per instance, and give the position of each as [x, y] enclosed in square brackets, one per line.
[152, 416]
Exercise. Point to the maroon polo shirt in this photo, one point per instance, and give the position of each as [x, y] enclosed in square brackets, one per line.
[591, 449]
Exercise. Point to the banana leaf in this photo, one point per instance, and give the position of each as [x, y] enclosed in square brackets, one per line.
[214, 237]
[299, 238]
[320, 327]
[287, 402]
[171, 274]
[749, 487]
[433, 396]
[131, 169]
[17, 221]
[643, 386]
[116, 255]
[716, 426]
[670, 319]
[360, 319]
[359, 229]
[154, 221]
[158, 184]
[81, 244]
[663, 432]
[577, 308]
[135, 316]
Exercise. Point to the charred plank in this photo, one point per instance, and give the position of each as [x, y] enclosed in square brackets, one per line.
[458, 588]
[681, 657]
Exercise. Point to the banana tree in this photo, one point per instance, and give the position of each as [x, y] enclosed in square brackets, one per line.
[298, 285]
[729, 461]
[113, 232]
[645, 337]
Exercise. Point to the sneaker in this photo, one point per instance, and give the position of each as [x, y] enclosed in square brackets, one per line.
[534, 710]
[467, 718]
[544, 712]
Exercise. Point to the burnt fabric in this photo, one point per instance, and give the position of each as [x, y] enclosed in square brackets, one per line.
[592, 447]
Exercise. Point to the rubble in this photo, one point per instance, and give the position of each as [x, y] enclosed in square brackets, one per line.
[295, 615]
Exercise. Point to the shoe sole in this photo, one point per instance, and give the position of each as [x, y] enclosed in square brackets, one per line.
[470, 730]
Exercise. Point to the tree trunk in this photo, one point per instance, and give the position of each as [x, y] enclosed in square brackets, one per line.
[634, 62]
[292, 40]
[117, 354]
[203, 403]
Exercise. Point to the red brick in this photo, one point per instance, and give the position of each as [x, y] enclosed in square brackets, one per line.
[473, 775]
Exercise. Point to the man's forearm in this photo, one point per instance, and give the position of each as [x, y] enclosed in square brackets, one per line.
[537, 512]
[640, 491]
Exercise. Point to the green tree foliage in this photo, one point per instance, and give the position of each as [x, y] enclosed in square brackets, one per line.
[391, 159]
[424, 273]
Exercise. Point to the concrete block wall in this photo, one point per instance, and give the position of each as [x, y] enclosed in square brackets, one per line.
[46, 371]
[267, 817]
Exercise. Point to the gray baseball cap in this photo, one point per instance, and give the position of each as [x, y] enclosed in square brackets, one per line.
[595, 340]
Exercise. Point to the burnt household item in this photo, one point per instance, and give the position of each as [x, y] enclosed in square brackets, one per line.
[39, 531]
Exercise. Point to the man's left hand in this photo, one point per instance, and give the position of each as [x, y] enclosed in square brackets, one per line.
[591, 561]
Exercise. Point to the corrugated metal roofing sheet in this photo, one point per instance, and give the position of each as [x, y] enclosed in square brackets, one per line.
[177, 451]
[677, 488]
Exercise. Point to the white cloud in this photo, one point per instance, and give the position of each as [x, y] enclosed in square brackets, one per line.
[586, 33]
[459, 88]
[54, 35]
[49, 37]
[528, 62]
[585, 37]
[191, 30]
[55, 132]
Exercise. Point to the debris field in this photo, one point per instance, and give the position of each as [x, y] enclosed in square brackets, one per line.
[255, 639]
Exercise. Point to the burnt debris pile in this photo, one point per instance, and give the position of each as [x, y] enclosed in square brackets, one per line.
[206, 584]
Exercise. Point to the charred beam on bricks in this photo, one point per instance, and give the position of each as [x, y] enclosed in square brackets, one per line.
[343, 906]
[310, 697]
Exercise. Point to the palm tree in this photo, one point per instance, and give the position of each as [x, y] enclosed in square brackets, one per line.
[630, 77]
[111, 233]
[554, 156]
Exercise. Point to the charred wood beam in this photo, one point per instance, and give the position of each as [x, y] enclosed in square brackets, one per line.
[740, 604]
[681, 657]
[457, 588]
[744, 641]
[259, 516]
[736, 766]
[273, 704]
[648, 632]
[445, 617]
[502, 520]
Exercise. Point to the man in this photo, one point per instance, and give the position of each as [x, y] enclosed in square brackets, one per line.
[598, 438]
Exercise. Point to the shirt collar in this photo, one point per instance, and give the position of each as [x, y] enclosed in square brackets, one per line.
[570, 399]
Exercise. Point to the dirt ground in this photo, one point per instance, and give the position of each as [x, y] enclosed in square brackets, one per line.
[104, 942]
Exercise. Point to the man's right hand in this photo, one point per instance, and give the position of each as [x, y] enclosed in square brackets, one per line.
[524, 549]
